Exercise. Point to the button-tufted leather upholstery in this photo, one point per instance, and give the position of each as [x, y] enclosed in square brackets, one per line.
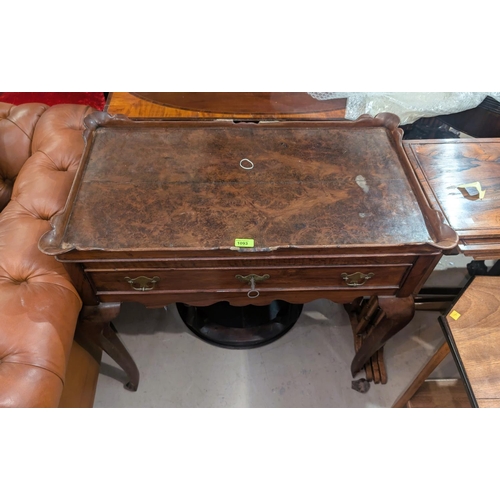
[40, 150]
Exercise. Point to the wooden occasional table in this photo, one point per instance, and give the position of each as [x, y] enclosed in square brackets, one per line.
[333, 209]
[460, 178]
[472, 331]
[451, 171]
[472, 334]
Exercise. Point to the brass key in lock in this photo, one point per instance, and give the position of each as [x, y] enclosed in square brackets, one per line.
[252, 279]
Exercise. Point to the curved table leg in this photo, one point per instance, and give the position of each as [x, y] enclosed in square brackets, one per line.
[114, 347]
[95, 325]
[394, 314]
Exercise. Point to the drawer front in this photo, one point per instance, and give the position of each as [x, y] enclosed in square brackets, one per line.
[246, 279]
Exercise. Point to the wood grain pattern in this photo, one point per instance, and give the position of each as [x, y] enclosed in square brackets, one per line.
[181, 186]
[440, 394]
[489, 403]
[441, 166]
[233, 105]
[476, 336]
[362, 315]
[220, 279]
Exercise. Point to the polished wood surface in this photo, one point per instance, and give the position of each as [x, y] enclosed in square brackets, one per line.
[490, 403]
[442, 166]
[234, 105]
[362, 313]
[95, 327]
[440, 394]
[178, 185]
[474, 338]
[393, 314]
[334, 208]
[384, 278]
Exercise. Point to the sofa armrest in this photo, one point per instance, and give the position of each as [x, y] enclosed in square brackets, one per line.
[39, 306]
[28, 386]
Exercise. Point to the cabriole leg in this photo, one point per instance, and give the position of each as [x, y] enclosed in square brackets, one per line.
[95, 325]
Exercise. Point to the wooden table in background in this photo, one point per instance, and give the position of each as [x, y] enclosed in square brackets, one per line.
[442, 166]
[224, 105]
[472, 329]
[472, 332]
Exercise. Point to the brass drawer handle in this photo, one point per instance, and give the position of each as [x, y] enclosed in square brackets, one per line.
[356, 279]
[143, 283]
[252, 279]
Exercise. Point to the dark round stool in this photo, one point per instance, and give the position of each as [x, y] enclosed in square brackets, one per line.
[244, 327]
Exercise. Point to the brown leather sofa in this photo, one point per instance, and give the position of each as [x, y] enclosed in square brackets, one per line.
[40, 151]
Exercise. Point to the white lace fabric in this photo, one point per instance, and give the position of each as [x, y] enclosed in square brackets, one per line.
[409, 106]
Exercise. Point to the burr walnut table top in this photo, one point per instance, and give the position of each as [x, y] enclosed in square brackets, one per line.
[166, 186]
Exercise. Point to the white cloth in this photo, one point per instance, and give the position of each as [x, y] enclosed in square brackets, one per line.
[409, 106]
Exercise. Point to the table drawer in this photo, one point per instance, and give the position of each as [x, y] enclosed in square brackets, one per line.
[244, 279]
